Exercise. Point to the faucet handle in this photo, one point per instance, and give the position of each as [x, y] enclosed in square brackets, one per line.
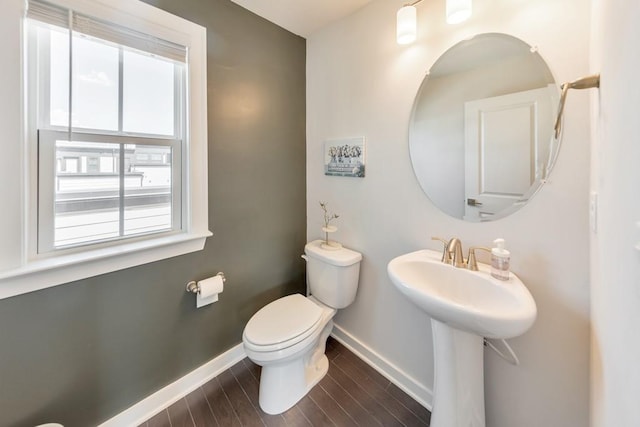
[446, 256]
[472, 264]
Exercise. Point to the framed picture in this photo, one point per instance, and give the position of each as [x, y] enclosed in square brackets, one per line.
[344, 157]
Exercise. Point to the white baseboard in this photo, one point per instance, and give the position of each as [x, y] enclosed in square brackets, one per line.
[166, 396]
[405, 382]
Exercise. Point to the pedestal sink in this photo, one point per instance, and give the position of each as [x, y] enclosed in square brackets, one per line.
[465, 306]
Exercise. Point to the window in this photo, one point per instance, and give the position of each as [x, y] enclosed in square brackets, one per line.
[113, 169]
[110, 129]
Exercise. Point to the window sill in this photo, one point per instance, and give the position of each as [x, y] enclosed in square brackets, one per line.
[49, 272]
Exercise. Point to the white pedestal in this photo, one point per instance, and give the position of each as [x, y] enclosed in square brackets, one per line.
[458, 391]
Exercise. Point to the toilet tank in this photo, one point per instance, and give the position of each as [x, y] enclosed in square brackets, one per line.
[332, 274]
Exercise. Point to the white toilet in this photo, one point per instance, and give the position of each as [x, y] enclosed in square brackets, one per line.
[288, 336]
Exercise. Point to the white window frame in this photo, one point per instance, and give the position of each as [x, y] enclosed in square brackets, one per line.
[22, 269]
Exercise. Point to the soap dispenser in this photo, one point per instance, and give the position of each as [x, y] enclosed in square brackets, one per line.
[500, 260]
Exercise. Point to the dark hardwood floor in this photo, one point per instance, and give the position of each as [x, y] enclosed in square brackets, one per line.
[351, 394]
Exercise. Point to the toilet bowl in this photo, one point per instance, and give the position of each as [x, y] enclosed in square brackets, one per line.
[287, 337]
[295, 361]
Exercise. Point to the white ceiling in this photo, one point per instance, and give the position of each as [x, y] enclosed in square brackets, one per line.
[302, 17]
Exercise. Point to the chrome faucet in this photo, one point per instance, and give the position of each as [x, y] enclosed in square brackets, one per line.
[455, 247]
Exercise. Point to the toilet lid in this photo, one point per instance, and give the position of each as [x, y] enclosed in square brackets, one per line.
[282, 320]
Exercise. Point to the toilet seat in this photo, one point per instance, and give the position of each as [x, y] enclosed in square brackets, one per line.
[282, 323]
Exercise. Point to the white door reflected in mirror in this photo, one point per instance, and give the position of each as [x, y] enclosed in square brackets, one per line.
[503, 153]
[481, 132]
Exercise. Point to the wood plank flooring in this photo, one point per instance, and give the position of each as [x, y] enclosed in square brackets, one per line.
[351, 394]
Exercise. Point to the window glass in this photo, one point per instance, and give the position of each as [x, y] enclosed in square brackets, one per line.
[87, 203]
[148, 99]
[95, 84]
[59, 75]
[148, 195]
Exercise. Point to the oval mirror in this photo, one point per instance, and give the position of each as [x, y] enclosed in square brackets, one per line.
[481, 131]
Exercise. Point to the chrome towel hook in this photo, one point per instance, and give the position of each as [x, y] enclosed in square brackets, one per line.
[583, 83]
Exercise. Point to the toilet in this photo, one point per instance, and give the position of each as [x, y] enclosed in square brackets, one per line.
[287, 337]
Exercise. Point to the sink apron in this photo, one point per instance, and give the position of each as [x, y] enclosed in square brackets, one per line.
[458, 390]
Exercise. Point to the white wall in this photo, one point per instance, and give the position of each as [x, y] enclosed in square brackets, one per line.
[360, 82]
[615, 343]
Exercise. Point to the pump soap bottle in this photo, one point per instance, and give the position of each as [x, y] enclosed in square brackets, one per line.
[500, 260]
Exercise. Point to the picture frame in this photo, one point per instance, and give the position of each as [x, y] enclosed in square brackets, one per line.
[345, 157]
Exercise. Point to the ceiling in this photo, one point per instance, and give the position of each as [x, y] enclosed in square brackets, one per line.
[302, 17]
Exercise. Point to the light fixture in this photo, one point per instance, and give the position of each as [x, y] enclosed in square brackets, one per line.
[406, 26]
[458, 11]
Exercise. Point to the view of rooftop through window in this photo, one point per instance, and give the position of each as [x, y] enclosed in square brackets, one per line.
[87, 194]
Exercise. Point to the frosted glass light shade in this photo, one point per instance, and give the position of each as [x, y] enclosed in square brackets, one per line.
[458, 11]
[406, 25]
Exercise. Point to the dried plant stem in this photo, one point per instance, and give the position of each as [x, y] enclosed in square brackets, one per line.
[327, 220]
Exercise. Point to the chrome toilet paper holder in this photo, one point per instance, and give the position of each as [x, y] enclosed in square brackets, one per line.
[194, 288]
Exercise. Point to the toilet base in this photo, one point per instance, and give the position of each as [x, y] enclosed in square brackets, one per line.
[283, 385]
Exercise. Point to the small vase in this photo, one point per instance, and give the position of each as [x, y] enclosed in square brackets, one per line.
[330, 245]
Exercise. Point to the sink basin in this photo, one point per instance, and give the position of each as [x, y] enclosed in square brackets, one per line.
[472, 301]
[465, 307]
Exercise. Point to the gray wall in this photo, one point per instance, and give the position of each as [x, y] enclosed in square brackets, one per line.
[80, 353]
